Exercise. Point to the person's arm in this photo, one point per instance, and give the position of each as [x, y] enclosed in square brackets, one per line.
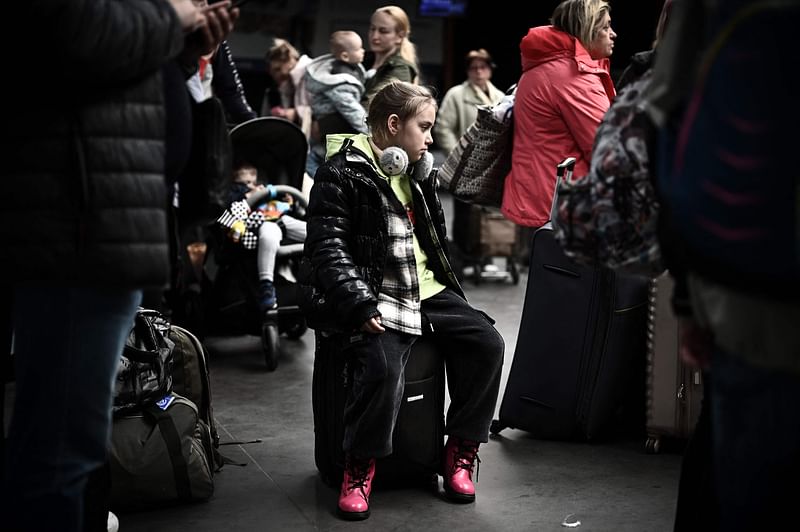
[327, 245]
[582, 105]
[447, 126]
[347, 98]
[96, 45]
[104, 42]
[228, 86]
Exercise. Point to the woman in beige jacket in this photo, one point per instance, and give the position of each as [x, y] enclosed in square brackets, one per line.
[460, 104]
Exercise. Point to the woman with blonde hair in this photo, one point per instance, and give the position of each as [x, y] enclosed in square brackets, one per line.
[563, 93]
[395, 54]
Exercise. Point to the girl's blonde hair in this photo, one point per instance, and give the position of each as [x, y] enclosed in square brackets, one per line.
[400, 98]
[408, 50]
[580, 18]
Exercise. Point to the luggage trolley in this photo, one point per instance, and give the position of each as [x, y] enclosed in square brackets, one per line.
[481, 235]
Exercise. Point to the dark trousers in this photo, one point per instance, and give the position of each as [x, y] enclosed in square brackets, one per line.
[67, 344]
[474, 360]
[756, 435]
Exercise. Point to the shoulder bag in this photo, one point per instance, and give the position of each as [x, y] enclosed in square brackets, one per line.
[476, 168]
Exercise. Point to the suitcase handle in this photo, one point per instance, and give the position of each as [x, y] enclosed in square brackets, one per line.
[563, 171]
[565, 167]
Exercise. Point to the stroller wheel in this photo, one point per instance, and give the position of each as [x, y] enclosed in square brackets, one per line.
[297, 329]
[270, 344]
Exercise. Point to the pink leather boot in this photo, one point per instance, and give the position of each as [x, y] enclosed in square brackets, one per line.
[460, 457]
[356, 487]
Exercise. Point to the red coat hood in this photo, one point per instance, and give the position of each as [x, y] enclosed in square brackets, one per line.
[546, 43]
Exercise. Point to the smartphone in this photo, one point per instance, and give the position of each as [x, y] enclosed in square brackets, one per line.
[237, 3]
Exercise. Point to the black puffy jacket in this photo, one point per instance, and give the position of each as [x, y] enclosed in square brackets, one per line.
[346, 243]
[82, 186]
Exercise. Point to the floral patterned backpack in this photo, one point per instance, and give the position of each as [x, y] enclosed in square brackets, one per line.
[609, 217]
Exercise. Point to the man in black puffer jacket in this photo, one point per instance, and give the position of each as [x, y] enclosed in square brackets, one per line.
[83, 224]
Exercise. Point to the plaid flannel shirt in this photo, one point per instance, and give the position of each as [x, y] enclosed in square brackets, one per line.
[398, 300]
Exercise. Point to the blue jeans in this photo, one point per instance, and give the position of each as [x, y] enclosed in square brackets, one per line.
[67, 345]
[755, 416]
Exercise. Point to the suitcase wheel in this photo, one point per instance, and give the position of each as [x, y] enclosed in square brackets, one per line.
[270, 343]
[653, 445]
[496, 427]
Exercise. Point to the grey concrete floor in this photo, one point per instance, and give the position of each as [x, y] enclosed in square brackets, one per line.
[524, 484]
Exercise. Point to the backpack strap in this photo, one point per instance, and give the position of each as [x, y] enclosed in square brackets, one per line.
[172, 439]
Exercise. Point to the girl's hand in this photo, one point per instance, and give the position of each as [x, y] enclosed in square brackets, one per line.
[373, 325]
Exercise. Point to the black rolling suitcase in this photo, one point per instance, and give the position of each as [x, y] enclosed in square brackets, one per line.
[418, 435]
[581, 338]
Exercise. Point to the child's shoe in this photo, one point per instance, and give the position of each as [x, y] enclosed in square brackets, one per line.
[266, 298]
[460, 457]
[356, 487]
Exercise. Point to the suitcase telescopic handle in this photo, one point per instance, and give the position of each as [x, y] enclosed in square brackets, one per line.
[563, 171]
[565, 167]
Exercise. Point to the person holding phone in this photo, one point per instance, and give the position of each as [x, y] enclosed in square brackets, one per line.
[86, 170]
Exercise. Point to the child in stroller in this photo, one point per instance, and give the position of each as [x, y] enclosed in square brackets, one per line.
[272, 221]
[257, 241]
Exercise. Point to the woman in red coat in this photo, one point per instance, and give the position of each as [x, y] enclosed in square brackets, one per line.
[564, 91]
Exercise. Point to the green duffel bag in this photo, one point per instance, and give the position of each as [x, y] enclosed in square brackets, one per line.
[161, 455]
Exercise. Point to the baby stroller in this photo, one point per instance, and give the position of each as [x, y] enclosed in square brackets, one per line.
[278, 149]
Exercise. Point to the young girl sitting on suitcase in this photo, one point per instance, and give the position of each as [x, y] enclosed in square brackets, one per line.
[376, 276]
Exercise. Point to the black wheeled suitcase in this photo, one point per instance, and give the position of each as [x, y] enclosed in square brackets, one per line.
[581, 337]
[419, 433]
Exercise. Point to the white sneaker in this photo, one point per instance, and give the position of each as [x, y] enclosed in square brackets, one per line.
[112, 523]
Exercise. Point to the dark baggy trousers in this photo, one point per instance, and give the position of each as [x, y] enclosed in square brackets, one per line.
[473, 351]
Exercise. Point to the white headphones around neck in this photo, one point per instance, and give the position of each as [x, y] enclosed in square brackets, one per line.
[394, 161]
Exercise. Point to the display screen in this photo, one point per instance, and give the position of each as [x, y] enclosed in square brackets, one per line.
[442, 8]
